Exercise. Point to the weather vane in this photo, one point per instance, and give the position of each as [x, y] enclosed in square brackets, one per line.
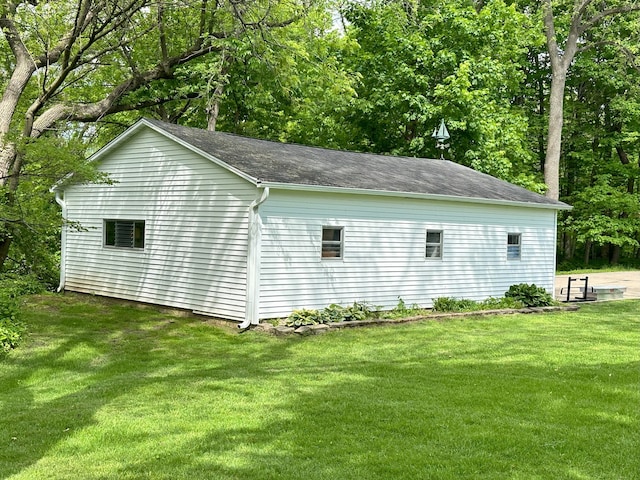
[441, 135]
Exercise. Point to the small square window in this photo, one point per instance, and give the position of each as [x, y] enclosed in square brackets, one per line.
[332, 242]
[434, 244]
[514, 246]
[124, 233]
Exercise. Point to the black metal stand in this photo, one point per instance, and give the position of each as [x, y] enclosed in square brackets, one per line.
[585, 289]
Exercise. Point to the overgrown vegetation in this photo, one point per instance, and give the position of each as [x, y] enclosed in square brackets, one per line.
[449, 304]
[12, 328]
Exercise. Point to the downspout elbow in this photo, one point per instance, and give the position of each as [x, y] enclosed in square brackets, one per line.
[59, 199]
[252, 260]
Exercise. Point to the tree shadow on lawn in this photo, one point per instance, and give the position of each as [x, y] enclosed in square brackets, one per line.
[98, 358]
[383, 414]
[407, 421]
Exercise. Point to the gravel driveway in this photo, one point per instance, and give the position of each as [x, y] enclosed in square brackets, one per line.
[630, 279]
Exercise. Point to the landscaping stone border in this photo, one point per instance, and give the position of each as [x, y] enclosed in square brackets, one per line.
[283, 330]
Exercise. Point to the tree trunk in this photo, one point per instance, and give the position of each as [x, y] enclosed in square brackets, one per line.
[614, 254]
[541, 112]
[624, 159]
[214, 111]
[569, 246]
[5, 244]
[554, 136]
[7, 159]
[587, 252]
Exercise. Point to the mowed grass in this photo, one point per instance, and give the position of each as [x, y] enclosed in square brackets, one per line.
[106, 390]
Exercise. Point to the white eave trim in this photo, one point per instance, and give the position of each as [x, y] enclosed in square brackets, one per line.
[422, 196]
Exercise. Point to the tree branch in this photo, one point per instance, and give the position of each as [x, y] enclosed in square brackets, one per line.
[633, 59]
[550, 33]
[607, 13]
[94, 111]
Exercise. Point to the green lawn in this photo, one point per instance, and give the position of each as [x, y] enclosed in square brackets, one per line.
[102, 390]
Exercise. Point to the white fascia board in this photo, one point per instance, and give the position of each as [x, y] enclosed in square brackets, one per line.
[422, 196]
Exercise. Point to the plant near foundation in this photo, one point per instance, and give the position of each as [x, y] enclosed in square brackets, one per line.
[530, 294]
[450, 304]
[299, 318]
[493, 303]
[332, 313]
[402, 310]
[359, 311]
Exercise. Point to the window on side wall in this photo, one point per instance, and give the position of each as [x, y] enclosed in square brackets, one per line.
[332, 242]
[124, 233]
[434, 244]
[514, 246]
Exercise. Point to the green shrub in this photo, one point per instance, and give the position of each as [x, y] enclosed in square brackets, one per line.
[18, 285]
[11, 328]
[530, 294]
[12, 287]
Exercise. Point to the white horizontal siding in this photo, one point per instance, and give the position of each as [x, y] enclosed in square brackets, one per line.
[195, 217]
[384, 251]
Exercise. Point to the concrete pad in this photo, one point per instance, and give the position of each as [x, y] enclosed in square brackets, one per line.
[629, 280]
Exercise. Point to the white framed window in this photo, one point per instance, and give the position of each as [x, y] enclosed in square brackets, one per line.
[332, 242]
[514, 246]
[434, 244]
[124, 233]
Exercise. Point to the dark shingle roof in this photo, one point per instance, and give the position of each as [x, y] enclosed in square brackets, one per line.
[273, 162]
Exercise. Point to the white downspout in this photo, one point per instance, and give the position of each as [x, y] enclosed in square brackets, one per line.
[555, 254]
[253, 261]
[63, 242]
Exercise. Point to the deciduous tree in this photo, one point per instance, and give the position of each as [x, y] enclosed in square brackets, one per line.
[75, 61]
[566, 27]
